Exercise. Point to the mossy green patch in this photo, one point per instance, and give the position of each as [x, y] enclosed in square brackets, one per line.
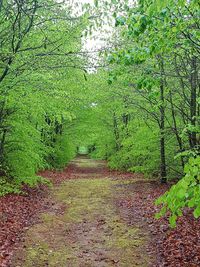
[85, 163]
[89, 233]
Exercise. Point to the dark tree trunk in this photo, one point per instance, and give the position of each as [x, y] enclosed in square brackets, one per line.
[126, 116]
[163, 171]
[2, 143]
[1, 3]
[178, 138]
[116, 131]
[193, 101]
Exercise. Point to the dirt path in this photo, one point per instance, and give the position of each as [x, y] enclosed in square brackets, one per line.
[85, 226]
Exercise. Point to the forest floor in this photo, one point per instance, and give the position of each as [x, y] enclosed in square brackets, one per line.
[95, 218]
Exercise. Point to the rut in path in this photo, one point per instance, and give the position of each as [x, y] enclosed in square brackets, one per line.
[84, 226]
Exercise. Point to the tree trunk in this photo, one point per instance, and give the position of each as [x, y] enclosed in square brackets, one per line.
[178, 138]
[163, 171]
[2, 143]
[116, 132]
[193, 102]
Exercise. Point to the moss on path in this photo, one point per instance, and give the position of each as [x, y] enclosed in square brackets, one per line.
[84, 228]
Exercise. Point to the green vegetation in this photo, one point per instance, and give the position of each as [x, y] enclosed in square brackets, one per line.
[39, 49]
[139, 109]
[89, 227]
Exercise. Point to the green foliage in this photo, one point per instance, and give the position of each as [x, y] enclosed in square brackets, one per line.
[7, 187]
[136, 154]
[38, 99]
[33, 181]
[141, 113]
[63, 151]
[160, 43]
[186, 193]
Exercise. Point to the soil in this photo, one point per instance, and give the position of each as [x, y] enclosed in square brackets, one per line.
[85, 225]
[94, 217]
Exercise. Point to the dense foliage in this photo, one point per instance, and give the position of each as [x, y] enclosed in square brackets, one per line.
[153, 112]
[40, 75]
[140, 109]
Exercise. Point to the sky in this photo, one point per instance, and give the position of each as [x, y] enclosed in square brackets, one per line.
[94, 42]
[97, 40]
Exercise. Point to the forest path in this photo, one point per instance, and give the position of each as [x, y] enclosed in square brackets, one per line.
[85, 225]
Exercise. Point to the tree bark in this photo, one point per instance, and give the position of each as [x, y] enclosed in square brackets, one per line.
[163, 170]
[178, 138]
[116, 132]
[193, 102]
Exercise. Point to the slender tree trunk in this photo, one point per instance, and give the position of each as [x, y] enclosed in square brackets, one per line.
[126, 116]
[116, 131]
[1, 3]
[178, 138]
[2, 143]
[193, 101]
[163, 171]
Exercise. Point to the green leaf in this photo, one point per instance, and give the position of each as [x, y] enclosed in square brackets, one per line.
[96, 3]
[197, 212]
[172, 220]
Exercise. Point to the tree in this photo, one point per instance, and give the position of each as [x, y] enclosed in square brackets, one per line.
[37, 104]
